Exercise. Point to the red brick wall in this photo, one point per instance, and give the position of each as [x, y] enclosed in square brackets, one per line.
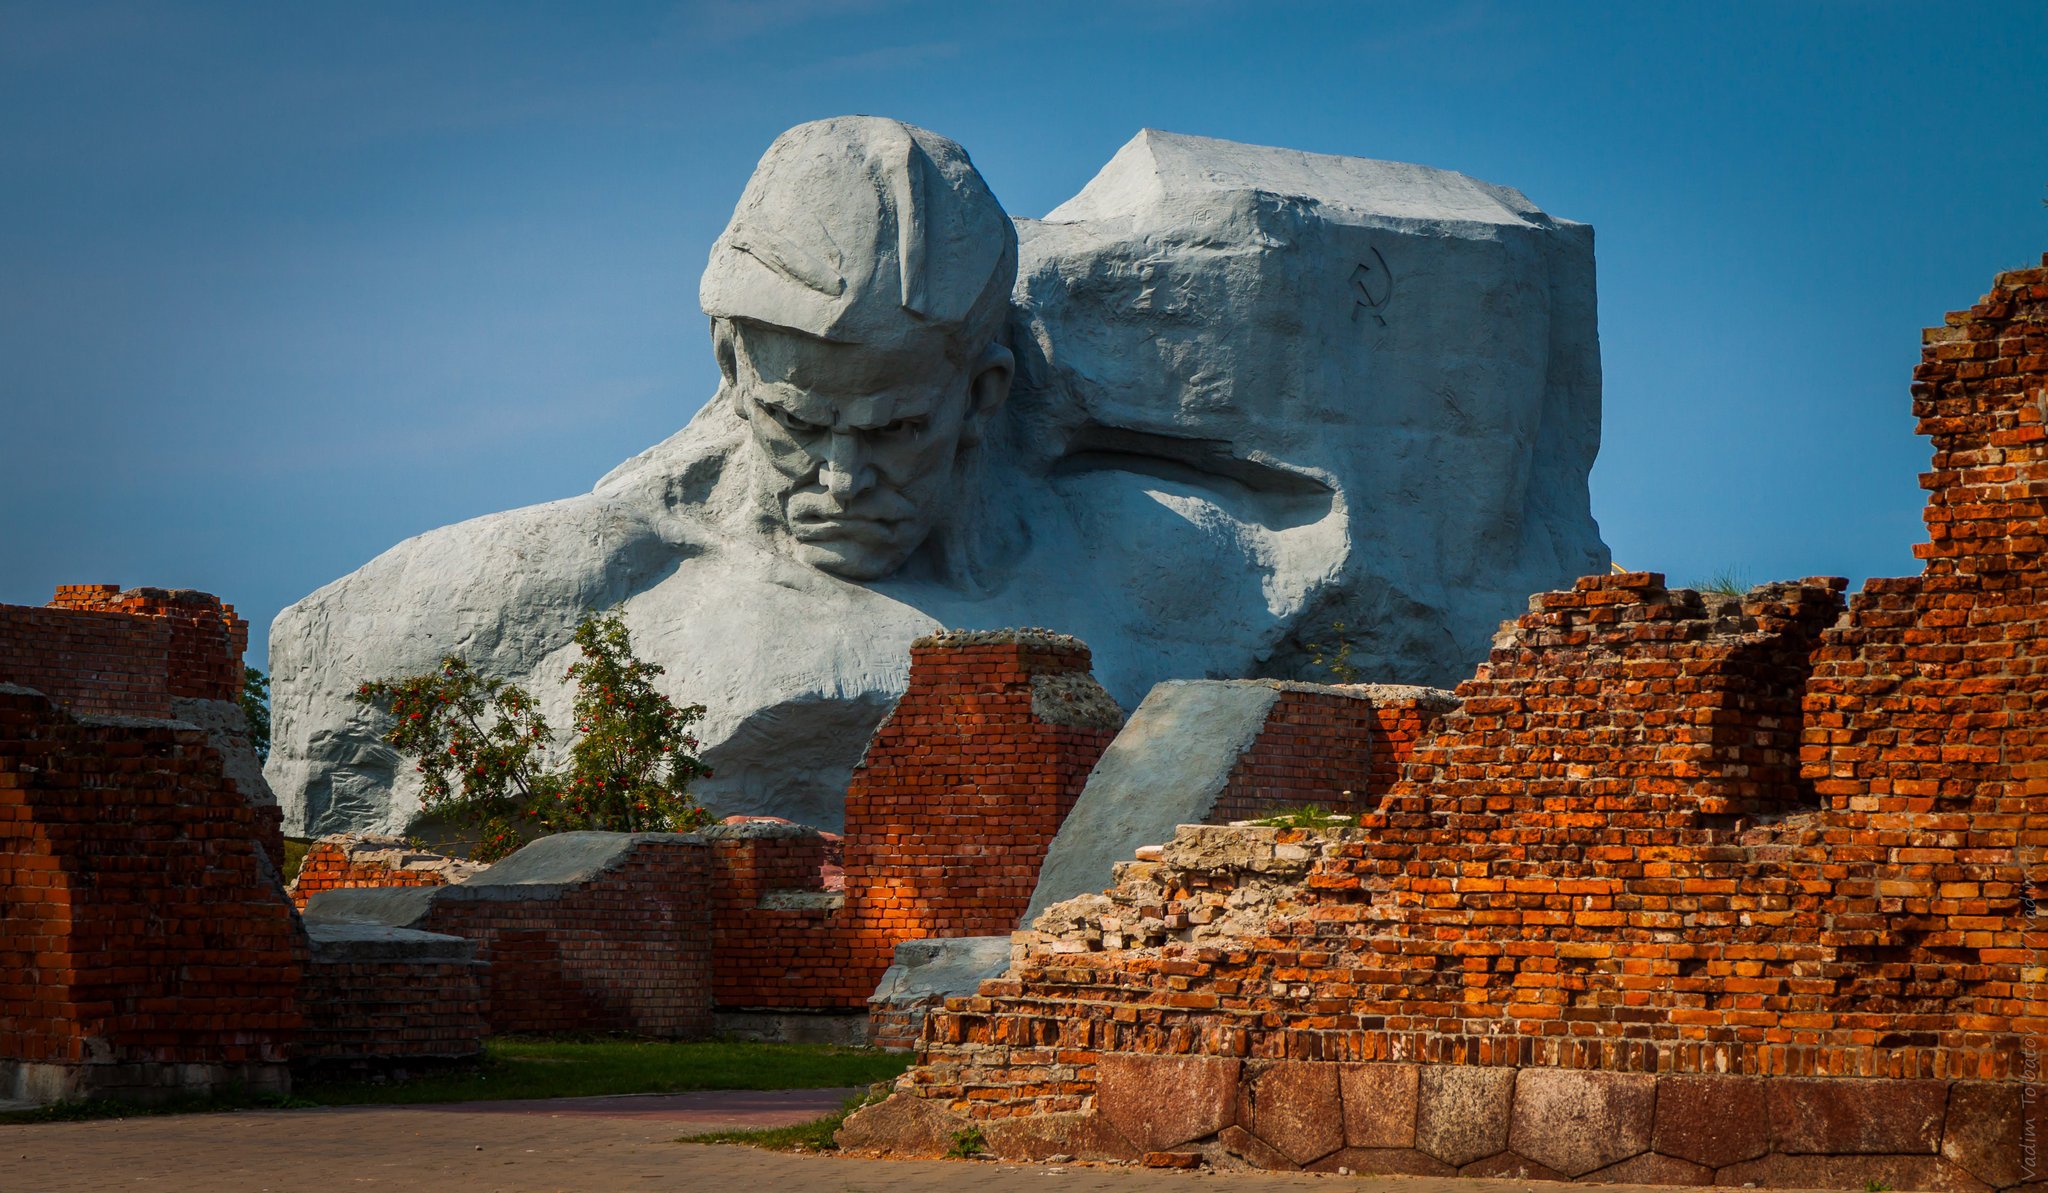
[779, 936]
[1925, 731]
[139, 928]
[1399, 724]
[92, 664]
[962, 790]
[1331, 749]
[948, 817]
[348, 861]
[382, 1006]
[98, 651]
[207, 639]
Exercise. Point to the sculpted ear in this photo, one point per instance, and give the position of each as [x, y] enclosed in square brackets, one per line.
[988, 388]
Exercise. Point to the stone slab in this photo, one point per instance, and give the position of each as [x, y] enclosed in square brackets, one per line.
[1507, 1166]
[1160, 1102]
[1463, 1112]
[1650, 1168]
[1712, 1120]
[1574, 1121]
[1846, 1117]
[1986, 1134]
[1901, 1173]
[901, 1126]
[1382, 1161]
[1296, 1106]
[1237, 1141]
[1379, 1104]
[1039, 1137]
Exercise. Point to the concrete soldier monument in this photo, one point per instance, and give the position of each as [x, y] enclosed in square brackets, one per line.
[1221, 400]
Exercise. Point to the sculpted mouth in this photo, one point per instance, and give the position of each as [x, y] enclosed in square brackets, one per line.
[827, 526]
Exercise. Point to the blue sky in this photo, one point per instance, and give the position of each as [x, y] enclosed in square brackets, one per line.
[281, 285]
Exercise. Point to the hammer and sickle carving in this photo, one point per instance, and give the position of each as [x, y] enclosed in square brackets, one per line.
[1372, 286]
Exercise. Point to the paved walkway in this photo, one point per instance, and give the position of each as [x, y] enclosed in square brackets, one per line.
[585, 1145]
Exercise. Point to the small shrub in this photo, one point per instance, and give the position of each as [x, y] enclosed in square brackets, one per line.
[1335, 656]
[967, 1144]
[482, 748]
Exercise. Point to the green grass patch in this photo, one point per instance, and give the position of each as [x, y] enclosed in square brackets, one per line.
[532, 1068]
[528, 1068]
[72, 1112]
[1309, 817]
[813, 1136]
[1726, 582]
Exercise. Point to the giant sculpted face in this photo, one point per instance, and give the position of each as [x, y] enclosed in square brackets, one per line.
[857, 298]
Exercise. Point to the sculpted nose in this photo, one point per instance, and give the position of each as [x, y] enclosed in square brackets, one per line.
[845, 474]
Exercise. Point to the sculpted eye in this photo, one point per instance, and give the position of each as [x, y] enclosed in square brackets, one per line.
[788, 420]
[902, 426]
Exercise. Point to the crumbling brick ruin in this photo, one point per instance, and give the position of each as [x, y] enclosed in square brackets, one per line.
[352, 860]
[97, 651]
[1219, 751]
[377, 998]
[204, 639]
[579, 932]
[966, 783]
[146, 948]
[1689, 888]
[948, 817]
[1337, 748]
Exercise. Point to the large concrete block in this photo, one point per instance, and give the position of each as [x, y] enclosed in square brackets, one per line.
[1336, 389]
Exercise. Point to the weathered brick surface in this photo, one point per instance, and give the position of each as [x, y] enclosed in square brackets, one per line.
[965, 785]
[373, 1004]
[626, 951]
[207, 640]
[1317, 748]
[145, 940]
[97, 651]
[1666, 833]
[356, 860]
[779, 937]
[91, 664]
